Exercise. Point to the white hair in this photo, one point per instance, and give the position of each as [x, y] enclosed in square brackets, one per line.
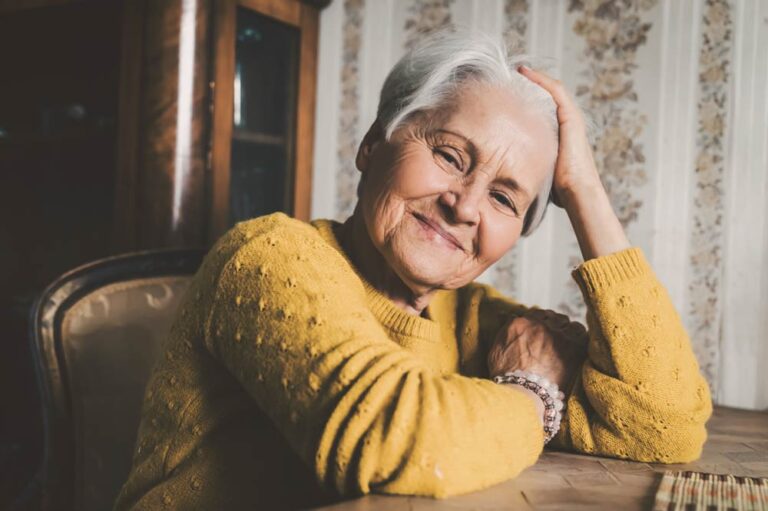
[431, 74]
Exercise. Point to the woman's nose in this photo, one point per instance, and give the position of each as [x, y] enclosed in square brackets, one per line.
[461, 206]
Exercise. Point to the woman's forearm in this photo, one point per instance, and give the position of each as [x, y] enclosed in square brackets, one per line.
[597, 228]
[366, 414]
[639, 395]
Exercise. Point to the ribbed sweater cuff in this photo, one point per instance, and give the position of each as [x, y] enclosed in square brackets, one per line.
[595, 275]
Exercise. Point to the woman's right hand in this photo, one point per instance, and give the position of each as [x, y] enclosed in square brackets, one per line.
[542, 342]
[576, 185]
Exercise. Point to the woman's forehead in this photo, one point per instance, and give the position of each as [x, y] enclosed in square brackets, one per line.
[488, 114]
[497, 126]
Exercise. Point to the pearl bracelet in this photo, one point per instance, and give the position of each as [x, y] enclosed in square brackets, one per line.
[547, 391]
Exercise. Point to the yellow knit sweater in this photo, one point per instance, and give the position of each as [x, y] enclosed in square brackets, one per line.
[287, 379]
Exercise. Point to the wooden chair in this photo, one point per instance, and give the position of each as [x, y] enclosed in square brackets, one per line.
[95, 333]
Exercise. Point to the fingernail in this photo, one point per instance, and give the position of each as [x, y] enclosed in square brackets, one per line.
[523, 67]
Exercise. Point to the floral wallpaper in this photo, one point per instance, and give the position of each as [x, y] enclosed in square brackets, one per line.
[612, 58]
[424, 17]
[516, 24]
[505, 271]
[708, 197]
[612, 31]
[349, 106]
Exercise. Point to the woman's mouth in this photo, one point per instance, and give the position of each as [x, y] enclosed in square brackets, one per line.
[435, 227]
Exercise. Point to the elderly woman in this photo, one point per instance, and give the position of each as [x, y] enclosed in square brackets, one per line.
[322, 359]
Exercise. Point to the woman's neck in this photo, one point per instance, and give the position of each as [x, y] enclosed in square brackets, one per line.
[356, 243]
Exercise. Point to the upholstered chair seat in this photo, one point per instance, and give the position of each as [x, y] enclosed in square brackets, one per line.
[97, 332]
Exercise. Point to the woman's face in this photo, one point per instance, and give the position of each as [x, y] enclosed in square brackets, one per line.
[446, 196]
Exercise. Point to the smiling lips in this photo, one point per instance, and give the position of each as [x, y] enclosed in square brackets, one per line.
[439, 230]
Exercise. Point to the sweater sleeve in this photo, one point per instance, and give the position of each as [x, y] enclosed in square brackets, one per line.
[640, 394]
[288, 320]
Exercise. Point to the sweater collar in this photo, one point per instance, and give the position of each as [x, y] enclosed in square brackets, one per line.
[386, 311]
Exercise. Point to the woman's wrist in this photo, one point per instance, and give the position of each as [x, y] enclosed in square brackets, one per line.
[594, 222]
[535, 399]
[547, 393]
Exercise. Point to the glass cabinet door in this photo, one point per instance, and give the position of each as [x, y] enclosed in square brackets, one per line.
[264, 116]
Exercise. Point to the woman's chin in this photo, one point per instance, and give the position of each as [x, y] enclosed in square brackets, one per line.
[430, 272]
[425, 263]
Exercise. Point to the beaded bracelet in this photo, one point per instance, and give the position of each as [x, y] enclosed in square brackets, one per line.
[547, 391]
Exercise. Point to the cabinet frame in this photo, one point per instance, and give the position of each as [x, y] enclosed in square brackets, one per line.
[305, 18]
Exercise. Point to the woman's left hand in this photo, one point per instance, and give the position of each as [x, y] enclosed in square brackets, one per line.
[576, 185]
[575, 168]
[542, 342]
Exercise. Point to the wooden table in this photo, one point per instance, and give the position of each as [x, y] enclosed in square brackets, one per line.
[737, 444]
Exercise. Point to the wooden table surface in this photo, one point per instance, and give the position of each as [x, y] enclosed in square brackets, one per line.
[737, 444]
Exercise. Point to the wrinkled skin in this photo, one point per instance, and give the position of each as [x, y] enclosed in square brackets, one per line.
[435, 209]
[472, 169]
[542, 342]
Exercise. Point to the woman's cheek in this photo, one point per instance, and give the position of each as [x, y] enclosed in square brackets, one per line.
[496, 237]
[392, 214]
[419, 176]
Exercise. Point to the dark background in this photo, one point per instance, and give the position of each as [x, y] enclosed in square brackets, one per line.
[59, 89]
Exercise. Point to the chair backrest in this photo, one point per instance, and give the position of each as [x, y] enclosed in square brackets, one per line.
[96, 333]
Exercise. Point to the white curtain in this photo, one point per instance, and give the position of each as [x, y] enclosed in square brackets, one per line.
[679, 91]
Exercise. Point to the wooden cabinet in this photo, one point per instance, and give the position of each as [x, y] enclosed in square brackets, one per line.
[264, 103]
[225, 133]
[213, 121]
[138, 124]
[59, 89]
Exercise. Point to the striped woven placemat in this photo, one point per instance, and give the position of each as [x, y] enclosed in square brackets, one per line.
[699, 491]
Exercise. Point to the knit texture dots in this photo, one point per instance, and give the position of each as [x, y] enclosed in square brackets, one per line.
[287, 378]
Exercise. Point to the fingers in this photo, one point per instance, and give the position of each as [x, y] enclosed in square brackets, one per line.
[528, 343]
[531, 339]
[559, 323]
[557, 320]
[576, 331]
[553, 86]
[536, 320]
[543, 79]
[548, 317]
[567, 108]
[543, 342]
[504, 355]
[535, 313]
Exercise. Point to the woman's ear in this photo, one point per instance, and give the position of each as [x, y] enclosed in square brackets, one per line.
[374, 136]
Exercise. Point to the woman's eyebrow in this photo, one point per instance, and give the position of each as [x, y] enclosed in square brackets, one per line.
[457, 134]
[513, 185]
[508, 182]
[472, 149]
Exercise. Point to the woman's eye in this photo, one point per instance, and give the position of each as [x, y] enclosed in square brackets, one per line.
[504, 201]
[448, 157]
